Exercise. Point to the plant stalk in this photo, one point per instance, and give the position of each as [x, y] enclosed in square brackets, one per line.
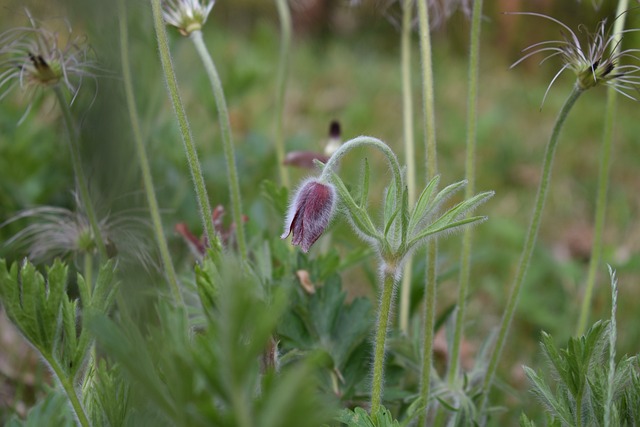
[81, 179]
[528, 245]
[281, 90]
[432, 170]
[470, 176]
[70, 391]
[409, 149]
[147, 178]
[360, 141]
[227, 140]
[185, 131]
[388, 284]
[603, 179]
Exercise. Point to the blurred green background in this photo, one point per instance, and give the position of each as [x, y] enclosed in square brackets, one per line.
[345, 66]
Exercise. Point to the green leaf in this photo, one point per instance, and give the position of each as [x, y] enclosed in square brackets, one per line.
[325, 322]
[32, 303]
[276, 195]
[453, 218]
[526, 422]
[359, 216]
[360, 418]
[422, 204]
[51, 411]
[546, 396]
[207, 280]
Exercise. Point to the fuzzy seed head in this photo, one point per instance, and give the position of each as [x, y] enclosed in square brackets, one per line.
[594, 61]
[34, 57]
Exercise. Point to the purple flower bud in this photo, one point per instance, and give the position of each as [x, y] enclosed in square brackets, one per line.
[310, 213]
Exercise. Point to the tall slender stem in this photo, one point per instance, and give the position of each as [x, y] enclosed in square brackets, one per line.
[81, 179]
[283, 71]
[386, 299]
[432, 171]
[70, 391]
[147, 179]
[409, 150]
[470, 175]
[528, 245]
[185, 131]
[227, 141]
[603, 179]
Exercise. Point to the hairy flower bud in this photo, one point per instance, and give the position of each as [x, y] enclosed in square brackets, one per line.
[309, 213]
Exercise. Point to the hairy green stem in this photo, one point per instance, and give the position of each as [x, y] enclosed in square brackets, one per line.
[360, 141]
[409, 150]
[88, 274]
[227, 141]
[283, 71]
[70, 391]
[432, 171]
[613, 335]
[81, 179]
[528, 245]
[386, 299]
[147, 179]
[603, 179]
[185, 131]
[470, 176]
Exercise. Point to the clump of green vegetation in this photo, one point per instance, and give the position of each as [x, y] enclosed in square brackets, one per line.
[249, 329]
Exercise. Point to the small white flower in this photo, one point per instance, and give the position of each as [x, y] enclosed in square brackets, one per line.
[186, 15]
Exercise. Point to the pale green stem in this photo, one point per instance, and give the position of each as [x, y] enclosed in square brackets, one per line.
[603, 180]
[227, 141]
[470, 176]
[81, 179]
[88, 273]
[283, 71]
[386, 299]
[409, 150]
[70, 391]
[432, 171]
[360, 141]
[185, 131]
[529, 245]
[147, 179]
[612, 349]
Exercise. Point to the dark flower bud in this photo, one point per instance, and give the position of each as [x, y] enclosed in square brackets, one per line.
[310, 213]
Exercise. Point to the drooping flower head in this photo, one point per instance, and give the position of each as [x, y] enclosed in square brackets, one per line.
[186, 15]
[310, 212]
[594, 63]
[34, 57]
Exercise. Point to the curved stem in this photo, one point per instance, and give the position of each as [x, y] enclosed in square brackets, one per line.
[360, 141]
[409, 149]
[283, 71]
[528, 245]
[603, 179]
[81, 179]
[185, 131]
[147, 179]
[432, 171]
[70, 391]
[227, 141]
[470, 176]
[388, 285]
